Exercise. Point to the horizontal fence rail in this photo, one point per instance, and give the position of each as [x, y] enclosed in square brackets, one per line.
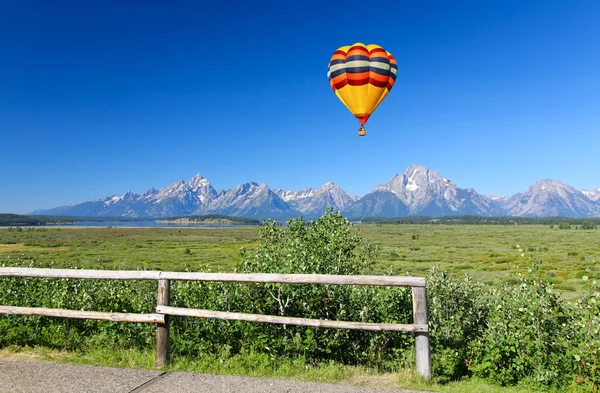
[236, 316]
[419, 328]
[400, 281]
[80, 273]
[102, 316]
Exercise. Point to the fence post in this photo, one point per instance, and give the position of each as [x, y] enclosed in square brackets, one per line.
[162, 330]
[421, 338]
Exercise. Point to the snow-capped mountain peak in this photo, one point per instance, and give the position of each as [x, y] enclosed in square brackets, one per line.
[417, 191]
[548, 197]
[593, 195]
[313, 202]
[425, 192]
[197, 181]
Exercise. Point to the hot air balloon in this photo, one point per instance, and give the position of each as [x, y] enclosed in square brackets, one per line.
[361, 76]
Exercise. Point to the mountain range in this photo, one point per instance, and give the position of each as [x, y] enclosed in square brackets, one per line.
[417, 191]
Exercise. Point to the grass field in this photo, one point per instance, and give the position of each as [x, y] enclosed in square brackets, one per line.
[490, 254]
[487, 253]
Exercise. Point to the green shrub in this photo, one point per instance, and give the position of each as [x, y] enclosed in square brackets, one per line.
[456, 316]
[588, 225]
[72, 294]
[584, 350]
[329, 245]
[526, 336]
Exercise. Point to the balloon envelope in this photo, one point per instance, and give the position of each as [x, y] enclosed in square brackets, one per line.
[361, 76]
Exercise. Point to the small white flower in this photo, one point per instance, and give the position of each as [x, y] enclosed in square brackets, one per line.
[522, 254]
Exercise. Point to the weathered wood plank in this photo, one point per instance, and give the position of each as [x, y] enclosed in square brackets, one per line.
[221, 277]
[423, 358]
[298, 278]
[79, 273]
[104, 316]
[189, 312]
[162, 330]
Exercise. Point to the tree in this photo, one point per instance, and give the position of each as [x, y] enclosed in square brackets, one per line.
[329, 245]
[588, 225]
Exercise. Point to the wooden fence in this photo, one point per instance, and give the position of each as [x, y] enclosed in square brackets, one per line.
[419, 328]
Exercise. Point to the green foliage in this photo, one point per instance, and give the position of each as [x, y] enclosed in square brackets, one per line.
[90, 295]
[456, 316]
[588, 225]
[564, 225]
[527, 334]
[213, 217]
[584, 350]
[476, 220]
[325, 246]
[17, 219]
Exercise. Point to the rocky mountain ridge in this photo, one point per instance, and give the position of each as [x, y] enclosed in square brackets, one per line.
[417, 191]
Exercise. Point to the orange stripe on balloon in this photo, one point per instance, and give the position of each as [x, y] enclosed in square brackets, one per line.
[358, 76]
[358, 50]
[376, 51]
[339, 78]
[378, 77]
[339, 84]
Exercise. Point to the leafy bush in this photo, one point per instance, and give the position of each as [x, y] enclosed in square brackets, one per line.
[328, 245]
[584, 349]
[72, 294]
[588, 225]
[456, 316]
[526, 335]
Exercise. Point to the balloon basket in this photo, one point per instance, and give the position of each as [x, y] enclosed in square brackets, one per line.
[361, 131]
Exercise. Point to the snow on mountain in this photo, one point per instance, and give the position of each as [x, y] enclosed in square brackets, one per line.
[249, 200]
[292, 195]
[417, 191]
[179, 199]
[311, 202]
[498, 198]
[548, 198]
[593, 195]
[426, 193]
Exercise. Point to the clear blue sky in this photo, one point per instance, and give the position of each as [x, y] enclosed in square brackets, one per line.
[101, 97]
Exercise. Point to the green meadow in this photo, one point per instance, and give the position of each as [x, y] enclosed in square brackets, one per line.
[488, 253]
[521, 335]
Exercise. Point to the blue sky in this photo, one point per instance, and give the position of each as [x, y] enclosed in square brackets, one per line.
[101, 97]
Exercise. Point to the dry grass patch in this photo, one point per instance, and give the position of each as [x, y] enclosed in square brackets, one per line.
[12, 248]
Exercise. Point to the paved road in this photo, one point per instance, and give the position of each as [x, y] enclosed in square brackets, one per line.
[33, 376]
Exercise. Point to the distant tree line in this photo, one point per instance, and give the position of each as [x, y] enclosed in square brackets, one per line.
[585, 223]
[208, 217]
[9, 219]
